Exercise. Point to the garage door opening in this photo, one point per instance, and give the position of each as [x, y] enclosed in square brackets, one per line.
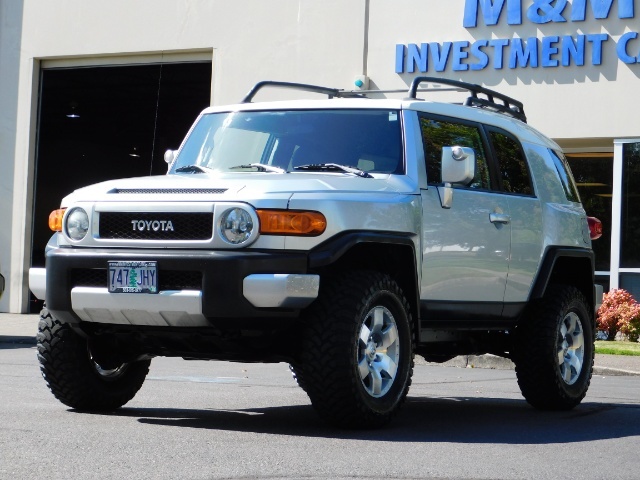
[101, 123]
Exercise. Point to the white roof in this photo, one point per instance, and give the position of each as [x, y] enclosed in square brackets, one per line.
[522, 130]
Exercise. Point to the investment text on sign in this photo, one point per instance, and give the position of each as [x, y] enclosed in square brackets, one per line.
[548, 51]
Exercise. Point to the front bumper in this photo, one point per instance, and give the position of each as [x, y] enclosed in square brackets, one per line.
[232, 286]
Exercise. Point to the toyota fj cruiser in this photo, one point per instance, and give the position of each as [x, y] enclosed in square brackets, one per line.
[340, 235]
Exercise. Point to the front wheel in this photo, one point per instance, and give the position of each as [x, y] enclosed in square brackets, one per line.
[75, 377]
[358, 350]
[555, 350]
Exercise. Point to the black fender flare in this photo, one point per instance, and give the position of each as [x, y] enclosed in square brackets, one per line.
[332, 250]
[551, 258]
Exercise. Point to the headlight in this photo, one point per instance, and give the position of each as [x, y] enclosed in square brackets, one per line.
[236, 226]
[77, 224]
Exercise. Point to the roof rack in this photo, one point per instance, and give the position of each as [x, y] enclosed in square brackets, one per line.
[509, 106]
[330, 92]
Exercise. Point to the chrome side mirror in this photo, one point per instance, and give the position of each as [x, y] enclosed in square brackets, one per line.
[458, 166]
[170, 156]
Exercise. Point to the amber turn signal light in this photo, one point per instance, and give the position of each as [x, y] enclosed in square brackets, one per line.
[55, 219]
[291, 222]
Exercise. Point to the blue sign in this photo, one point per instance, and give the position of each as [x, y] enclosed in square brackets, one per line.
[541, 11]
[533, 52]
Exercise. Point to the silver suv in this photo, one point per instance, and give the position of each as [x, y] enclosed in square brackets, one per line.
[342, 236]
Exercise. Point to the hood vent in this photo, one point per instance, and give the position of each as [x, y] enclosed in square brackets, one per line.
[175, 191]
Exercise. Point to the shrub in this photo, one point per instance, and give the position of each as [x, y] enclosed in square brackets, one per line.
[619, 313]
[630, 325]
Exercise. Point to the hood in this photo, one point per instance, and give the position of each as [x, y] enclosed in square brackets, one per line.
[237, 186]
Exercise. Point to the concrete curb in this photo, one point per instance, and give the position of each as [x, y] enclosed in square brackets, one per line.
[613, 372]
[499, 363]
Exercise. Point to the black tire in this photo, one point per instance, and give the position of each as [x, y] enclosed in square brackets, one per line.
[75, 378]
[555, 350]
[353, 384]
[298, 375]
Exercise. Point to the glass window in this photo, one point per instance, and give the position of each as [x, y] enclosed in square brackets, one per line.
[511, 164]
[564, 172]
[593, 173]
[630, 215]
[367, 139]
[441, 133]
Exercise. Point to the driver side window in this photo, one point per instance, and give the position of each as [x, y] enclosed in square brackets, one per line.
[437, 133]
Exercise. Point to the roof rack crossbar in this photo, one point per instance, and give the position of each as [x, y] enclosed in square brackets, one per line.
[508, 105]
[330, 92]
[495, 101]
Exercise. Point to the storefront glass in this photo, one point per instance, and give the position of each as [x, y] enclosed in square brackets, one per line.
[630, 211]
[593, 173]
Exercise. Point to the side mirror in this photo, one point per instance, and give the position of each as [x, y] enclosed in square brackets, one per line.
[458, 166]
[170, 156]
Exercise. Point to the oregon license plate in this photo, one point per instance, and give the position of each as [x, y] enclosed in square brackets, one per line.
[133, 277]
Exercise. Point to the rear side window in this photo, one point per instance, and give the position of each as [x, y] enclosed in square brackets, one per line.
[511, 163]
[438, 133]
[566, 178]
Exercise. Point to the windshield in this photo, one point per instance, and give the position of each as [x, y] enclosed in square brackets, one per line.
[367, 140]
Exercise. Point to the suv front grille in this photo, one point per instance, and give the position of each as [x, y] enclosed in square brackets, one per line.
[167, 279]
[156, 226]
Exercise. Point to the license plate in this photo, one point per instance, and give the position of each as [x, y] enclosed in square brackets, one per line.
[133, 277]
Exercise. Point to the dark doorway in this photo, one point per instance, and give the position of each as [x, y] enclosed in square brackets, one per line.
[100, 123]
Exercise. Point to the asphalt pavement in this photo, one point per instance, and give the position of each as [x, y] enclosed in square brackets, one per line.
[22, 329]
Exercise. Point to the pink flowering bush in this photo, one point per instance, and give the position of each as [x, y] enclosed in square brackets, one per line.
[619, 313]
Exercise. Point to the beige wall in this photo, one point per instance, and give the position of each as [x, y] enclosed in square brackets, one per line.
[326, 42]
[563, 102]
[254, 40]
[10, 164]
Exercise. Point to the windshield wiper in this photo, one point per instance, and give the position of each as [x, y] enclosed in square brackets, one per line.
[333, 167]
[261, 167]
[193, 169]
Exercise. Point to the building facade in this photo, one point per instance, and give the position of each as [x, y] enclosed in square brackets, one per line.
[575, 64]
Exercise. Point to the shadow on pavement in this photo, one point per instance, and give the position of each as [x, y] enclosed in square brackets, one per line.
[451, 420]
[16, 342]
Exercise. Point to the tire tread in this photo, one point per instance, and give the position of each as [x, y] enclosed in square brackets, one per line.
[535, 357]
[69, 374]
[331, 322]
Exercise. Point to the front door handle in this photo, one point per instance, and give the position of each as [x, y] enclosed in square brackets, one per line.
[499, 218]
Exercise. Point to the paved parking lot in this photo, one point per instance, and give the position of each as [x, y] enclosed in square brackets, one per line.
[210, 420]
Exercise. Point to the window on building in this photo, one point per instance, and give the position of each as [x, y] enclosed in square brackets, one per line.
[593, 173]
[630, 214]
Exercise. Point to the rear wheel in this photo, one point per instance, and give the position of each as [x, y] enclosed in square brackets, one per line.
[75, 377]
[555, 349]
[358, 350]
